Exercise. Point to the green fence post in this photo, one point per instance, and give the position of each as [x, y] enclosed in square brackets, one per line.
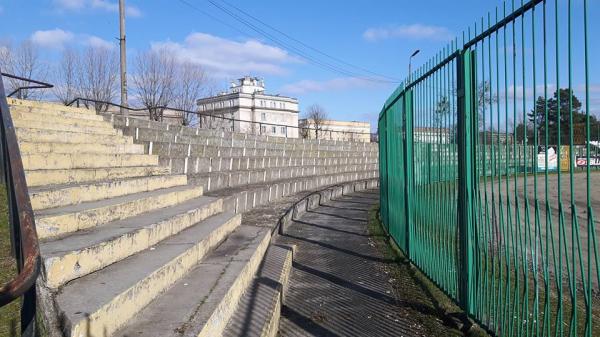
[466, 128]
[408, 165]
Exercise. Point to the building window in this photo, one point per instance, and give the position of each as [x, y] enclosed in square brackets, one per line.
[263, 129]
[273, 129]
[263, 117]
[283, 130]
[262, 103]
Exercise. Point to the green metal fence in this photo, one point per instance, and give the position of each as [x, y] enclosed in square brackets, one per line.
[487, 165]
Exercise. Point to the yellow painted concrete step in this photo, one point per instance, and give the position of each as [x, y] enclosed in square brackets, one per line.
[75, 176]
[47, 161]
[48, 106]
[63, 220]
[64, 195]
[22, 116]
[77, 255]
[37, 148]
[48, 112]
[53, 136]
[100, 303]
[69, 127]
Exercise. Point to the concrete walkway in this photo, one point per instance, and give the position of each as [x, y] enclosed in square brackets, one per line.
[341, 283]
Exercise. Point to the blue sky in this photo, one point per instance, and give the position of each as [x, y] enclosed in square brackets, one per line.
[377, 36]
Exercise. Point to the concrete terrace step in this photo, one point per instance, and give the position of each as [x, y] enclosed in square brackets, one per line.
[65, 118]
[45, 113]
[77, 255]
[37, 148]
[151, 135]
[71, 127]
[49, 106]
[258, 313]
[217, 180]
[55, 136]
[49, 161]
[100, 303]
[68, 194]
[68, 219]
[75, 176]
[173, 149]
[247, 197]
[210, 164]
[122, 122]
[203, 301]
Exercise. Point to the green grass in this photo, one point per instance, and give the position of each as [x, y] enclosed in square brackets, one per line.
[439, 314]
[9, 315]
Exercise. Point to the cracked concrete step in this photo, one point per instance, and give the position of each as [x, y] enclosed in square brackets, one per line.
[259, 310]
[216, 180]
[75, 176]
[45, 161]
[202, 302]
[48, 106]
[68, 219]
[63, 118]
[87, 251]
[121, 121]
[184, 149]
[71, 127]
[100, 303]
[245, 198]
[70, 137]
[238, 163]
[45, 113]
[37, 147]
[53, 196]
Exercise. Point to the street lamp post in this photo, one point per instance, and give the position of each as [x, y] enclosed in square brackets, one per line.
[410, 64]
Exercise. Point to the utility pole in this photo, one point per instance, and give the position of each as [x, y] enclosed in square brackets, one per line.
[122, 45]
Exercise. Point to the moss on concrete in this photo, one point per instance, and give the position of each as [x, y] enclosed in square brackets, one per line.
[9, 315]
[438, 313]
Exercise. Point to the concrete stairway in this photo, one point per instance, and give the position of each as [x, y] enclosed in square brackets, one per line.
[131, 243]
[251, 170]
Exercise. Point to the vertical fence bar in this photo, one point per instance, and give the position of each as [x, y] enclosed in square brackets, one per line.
[466, 111]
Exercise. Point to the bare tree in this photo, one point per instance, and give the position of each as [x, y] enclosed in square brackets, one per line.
[154, 80]
[97, 76]
[189, 86]
[23, 61]
[316, 117]
[65, 88]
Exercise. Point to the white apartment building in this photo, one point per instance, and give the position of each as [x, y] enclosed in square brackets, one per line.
[338, 130]
[254, 111]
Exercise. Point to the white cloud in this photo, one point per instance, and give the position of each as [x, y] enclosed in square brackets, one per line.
[54, 38]
[104, 5]
[336, 84]
[229, 58]
[97, 42]
[415, 31]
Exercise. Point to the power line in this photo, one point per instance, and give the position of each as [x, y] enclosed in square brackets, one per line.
[293, 48]
[297, 51]
[308, 46]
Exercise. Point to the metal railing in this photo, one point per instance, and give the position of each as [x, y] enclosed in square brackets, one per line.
[21, 221]
[38, 84]
[487, 177]
[206, 121]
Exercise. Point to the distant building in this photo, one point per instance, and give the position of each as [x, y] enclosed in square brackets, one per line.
[246, 100]
[337, 130]
[432, 135]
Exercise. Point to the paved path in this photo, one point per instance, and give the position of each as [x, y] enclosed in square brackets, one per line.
[341, 284]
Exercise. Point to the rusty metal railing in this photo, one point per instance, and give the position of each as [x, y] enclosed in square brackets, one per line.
[21, 221]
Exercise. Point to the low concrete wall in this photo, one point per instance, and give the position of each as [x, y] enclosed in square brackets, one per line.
[319, 197]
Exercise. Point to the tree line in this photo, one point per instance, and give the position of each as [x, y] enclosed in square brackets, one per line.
[550, 115]
[158, 78]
